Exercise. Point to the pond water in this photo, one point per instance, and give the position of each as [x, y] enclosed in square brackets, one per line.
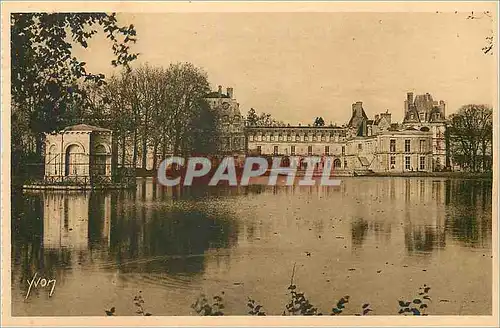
[375, 239]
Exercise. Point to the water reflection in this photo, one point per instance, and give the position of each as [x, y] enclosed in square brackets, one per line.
[197, 234]
[54, 231]
[469, 211]
[429, 210]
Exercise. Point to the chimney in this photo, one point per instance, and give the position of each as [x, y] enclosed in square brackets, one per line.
[376, 118]
[220, 90]
[409, 98]
[442, 106]
[230, 92]
[357, 108]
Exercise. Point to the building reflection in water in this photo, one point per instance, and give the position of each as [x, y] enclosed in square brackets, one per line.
[174, 231]
[428, 210]
[127, 231]
[66, 219]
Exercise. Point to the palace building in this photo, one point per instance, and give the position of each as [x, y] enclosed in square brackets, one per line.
[232, 124]
[425, 114]
[363, 144]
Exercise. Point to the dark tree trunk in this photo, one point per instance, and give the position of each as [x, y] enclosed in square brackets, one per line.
[144, 154]
[155, 152]
[124, 140]
[145, 146]
[134, 155]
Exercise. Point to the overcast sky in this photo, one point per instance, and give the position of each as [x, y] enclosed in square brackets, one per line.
[297, 66]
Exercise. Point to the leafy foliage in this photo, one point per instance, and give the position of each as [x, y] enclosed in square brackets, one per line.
[299, 304]
[418, 305]
[203, 307]
[48, 81]
[319, 121]
[487, 49]
[139, 304]
[336, 310]
[264, 119]
[110, 312]
[365, 309]
[255, 308]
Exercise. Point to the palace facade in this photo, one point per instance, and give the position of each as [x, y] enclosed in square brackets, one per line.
[378, 145]
[362, 144]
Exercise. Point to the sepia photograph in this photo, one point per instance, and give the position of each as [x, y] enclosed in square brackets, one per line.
[187, 160]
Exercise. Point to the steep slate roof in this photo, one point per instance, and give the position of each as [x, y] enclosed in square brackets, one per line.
[408, 116]
[353, 117]
[435, 110]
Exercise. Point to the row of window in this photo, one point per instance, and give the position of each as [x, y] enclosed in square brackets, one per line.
[236, 143]
[408, 166]
[392, 145]
[292, 150]
[289, 138]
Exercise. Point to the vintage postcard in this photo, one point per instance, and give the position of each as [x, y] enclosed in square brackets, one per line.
[249, 163]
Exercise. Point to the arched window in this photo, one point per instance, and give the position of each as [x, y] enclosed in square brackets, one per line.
[73, 160]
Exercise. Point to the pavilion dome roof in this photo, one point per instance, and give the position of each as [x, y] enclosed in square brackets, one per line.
[84, 127]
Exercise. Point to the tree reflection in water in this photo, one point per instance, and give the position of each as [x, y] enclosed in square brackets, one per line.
[155, 231]
[456, 209]
[469, 218]
[53, 231]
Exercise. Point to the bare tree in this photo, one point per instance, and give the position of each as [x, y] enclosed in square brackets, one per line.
[186, 86]
[471, 135]
[155, 110]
